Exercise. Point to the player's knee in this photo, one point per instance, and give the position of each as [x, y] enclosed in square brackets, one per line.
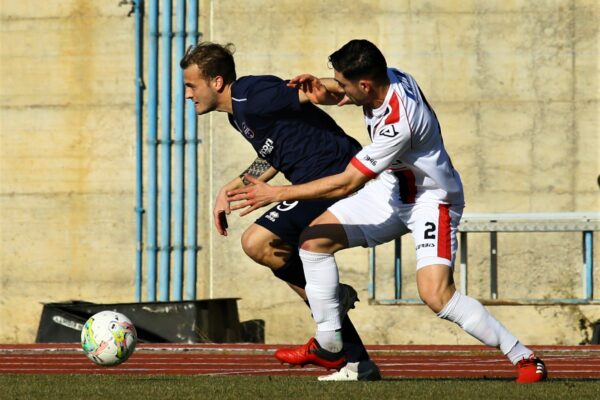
[316, 240]
[434, 304]
[433, 298]
[255, 249]
[314, 245]
[436, 286]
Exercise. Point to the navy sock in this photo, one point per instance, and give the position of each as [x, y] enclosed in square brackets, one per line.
[292, 271]
[353, 346]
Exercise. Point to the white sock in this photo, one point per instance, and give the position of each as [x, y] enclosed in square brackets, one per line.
[330, 340]
[470, 315]
[322, 282]
[518, 352]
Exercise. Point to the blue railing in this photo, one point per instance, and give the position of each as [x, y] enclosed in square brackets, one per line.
[585, 222]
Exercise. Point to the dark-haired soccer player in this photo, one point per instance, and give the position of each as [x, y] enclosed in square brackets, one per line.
[296, 138]
[414, 188]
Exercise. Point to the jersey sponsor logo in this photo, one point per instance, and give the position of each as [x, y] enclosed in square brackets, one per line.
[267, 148]
[247, 131]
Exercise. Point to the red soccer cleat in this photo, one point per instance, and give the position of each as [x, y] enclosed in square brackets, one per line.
[311, 353]
[531, 370]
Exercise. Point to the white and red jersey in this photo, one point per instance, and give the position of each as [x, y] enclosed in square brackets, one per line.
[407, 147]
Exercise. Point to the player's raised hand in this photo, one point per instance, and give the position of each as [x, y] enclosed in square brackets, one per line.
[252, 197]
[301, 81]
[314, 90]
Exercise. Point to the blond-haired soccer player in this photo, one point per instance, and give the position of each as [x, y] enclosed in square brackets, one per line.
[297, 139]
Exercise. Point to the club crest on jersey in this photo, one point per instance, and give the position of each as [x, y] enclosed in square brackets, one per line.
[267, 148]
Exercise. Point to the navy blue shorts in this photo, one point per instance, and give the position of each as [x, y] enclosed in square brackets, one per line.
[289, 218]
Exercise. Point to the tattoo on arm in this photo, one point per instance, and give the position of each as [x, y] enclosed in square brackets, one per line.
[256, 169]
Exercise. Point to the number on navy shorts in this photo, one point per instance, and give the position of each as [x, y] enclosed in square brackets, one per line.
[287, 205]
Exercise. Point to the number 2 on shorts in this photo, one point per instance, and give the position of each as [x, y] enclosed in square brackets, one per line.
[430, 231]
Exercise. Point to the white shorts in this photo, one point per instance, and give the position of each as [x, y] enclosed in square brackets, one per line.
[375, 215]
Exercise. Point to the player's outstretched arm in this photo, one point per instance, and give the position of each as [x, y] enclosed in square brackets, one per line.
[324, 91]
[260, 194]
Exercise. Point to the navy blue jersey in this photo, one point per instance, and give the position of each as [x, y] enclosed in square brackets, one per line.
[298, 139]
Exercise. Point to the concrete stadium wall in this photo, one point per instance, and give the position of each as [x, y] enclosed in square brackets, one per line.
[514, 84]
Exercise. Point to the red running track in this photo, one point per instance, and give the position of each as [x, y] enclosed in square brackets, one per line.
[252, 359]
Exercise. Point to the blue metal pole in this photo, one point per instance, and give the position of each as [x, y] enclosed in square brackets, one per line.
[165, 188]
[372, 268]
[179, 155]
[139, 185]
[192, 178]
[588, 257]
[398, 268]
[152, 149]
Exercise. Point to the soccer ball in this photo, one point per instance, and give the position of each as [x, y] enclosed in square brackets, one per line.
[108, 338]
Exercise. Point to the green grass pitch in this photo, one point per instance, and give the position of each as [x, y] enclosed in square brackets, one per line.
[148, 387]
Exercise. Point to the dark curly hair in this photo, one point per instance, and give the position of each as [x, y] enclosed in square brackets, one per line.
[358, 59]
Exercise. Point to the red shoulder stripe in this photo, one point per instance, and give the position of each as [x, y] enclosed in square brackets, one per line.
[394, 115]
